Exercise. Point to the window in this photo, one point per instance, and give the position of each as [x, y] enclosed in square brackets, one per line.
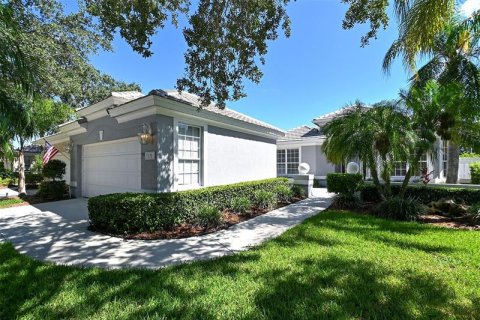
[293, 160]
[288, 161]
[400, 169]
[422, 164]
[281, 162]
[189, 155]
[445, 157]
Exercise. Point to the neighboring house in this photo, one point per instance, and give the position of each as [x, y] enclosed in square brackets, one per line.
[29, 153]
[161, 142]
[304, 145]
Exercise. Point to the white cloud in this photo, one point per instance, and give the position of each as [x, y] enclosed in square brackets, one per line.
[469, 7]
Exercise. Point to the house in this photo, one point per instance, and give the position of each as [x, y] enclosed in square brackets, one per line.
[29, 153]
[162, 141]
[304, 145]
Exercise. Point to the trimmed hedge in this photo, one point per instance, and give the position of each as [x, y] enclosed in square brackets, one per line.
[33, 178]
[426, 194]
[346, 183]
[475, 172]
[53, 190]
[129, 213]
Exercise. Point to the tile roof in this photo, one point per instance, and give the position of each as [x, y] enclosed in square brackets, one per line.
[320, 120]
[194, 100]
[302, 132]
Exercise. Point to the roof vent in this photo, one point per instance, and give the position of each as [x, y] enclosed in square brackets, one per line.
[158, 92]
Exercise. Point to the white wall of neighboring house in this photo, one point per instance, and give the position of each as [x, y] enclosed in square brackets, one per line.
[464, 175]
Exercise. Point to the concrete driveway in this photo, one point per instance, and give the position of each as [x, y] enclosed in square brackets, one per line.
[57, 232]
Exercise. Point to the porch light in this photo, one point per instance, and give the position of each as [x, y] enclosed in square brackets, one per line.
[146, 136]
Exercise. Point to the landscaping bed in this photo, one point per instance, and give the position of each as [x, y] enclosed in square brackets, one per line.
[187, 213]
[184, 230]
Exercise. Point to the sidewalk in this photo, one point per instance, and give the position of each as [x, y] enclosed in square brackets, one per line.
[50, 233]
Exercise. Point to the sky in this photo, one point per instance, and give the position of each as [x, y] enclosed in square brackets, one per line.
[319, 69]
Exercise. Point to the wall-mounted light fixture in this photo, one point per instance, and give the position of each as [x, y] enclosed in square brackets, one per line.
[146, 136]
[100, 135]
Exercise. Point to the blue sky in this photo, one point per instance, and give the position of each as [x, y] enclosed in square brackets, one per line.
[319, 69]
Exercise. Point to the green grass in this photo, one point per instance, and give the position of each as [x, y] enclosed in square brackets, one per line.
[5, 203]
[337, 265]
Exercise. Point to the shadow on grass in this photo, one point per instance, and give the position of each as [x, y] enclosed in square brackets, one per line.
[309, 286]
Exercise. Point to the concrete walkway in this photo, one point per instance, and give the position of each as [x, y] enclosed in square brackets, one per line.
[57, 232]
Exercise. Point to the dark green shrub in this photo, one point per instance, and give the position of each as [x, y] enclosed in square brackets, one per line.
[264, 199]
[6, 182]
[474, 212]
[139, 212]
[53, 190]
[298, 191]
[208, 216]
[346, 183]
[397, 208]
[241, 204]
[54, 169]
[284, 193]
[32, 179]
[475, 172]
[346, 201]
[426, 194]
[316, 183]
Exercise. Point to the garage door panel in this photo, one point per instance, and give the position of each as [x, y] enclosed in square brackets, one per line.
[111, 167]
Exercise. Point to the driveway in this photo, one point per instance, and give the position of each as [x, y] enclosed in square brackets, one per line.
[57, 232]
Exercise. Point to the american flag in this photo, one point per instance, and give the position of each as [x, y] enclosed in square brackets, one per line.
[50, 152]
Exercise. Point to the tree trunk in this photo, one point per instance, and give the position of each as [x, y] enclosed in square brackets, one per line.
[406, 180]
[453, 162]
[374, 172]
[21, 170]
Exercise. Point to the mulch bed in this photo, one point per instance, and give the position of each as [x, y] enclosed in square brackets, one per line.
[186, 230]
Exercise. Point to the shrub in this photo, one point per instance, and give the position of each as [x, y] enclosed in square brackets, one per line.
[284, 193]
[346, 201]
[346, 183]
[475, 172]
[316, 183]
[298, 191]
[264, 199]
[140, 212]
[398, 208]
[208, 215]
[469, 155]
[426, 194]
[54, 169]
[474, 212]
[33, 178]
[5, 182]
[53, 190]
[241, 204]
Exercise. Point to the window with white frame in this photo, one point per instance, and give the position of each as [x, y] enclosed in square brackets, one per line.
[400, 169]
[189, 154]
[281, 162]
[288, 161]
[445, 157]
[422, 164]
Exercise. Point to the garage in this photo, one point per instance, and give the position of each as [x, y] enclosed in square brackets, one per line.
[111, 167]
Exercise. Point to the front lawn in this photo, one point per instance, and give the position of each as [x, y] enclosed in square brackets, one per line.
[335, 265]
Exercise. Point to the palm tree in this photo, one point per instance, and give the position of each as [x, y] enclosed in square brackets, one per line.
[378, 136]
[453, 58]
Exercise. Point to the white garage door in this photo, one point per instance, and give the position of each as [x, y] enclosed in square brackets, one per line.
[111, 167]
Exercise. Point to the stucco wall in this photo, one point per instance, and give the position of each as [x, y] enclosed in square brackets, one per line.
[232, 156]
[314, 156]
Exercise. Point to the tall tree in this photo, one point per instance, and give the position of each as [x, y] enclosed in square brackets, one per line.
[453, 59]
